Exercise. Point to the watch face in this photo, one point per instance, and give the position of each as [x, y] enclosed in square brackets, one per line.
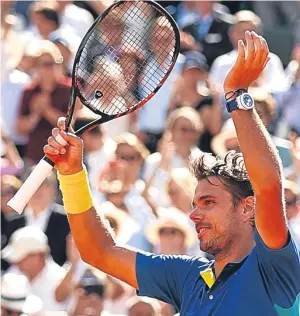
[248, 100]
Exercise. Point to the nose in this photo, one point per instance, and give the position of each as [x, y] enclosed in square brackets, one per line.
[196, 215]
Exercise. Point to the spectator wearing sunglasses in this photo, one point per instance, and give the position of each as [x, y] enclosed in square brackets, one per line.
[43, 101]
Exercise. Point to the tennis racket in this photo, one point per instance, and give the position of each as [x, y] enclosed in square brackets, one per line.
[121, 63]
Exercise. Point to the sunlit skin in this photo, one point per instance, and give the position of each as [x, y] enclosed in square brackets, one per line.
[228, 234]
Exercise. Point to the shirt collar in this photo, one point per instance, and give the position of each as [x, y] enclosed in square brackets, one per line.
[208, 274]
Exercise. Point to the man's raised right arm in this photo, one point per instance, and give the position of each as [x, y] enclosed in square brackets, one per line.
[91, 233]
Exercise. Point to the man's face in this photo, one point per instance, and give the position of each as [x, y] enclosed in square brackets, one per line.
[184, 133]
[171, 241]
[30, 264]
[216, 220]
[238, 32]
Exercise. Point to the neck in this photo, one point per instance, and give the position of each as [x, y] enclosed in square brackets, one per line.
[236, 253]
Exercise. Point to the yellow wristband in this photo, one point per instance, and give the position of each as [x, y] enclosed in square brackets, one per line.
[76, 192]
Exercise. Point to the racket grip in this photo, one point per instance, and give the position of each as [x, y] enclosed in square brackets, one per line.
[31, 184]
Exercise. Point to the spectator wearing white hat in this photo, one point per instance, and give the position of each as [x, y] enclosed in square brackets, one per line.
[171, 233]
[16, 298]
[28, 252]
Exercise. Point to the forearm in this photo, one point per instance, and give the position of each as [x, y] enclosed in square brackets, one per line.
[92, 236]
[261, 159]
[64, 289]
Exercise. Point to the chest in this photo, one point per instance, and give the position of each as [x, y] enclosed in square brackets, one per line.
[240, 294]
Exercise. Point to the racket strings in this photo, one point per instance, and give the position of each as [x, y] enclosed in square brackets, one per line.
[122, 63]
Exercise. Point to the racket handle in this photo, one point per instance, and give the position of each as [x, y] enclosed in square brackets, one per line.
[41, 171]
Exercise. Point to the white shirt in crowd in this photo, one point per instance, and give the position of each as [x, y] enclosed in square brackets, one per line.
[152, 116]
[79, 19]
[294, 226]
[40, 221]
[12, 86]
[45, 283]
[97, 160]
[273, 78]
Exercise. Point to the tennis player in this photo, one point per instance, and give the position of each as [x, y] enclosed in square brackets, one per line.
[239, 216]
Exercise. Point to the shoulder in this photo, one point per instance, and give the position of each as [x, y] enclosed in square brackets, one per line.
[225, 59]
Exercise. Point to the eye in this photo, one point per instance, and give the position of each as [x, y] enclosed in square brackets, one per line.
[209, 202]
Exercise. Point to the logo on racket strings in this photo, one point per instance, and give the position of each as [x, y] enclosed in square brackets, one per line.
[98, 94]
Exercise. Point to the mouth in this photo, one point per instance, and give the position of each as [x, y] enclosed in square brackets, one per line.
[201, 231]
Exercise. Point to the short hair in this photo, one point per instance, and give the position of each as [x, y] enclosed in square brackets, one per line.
[131, 140]
[188, 113]
[230, 170]
[247, 16]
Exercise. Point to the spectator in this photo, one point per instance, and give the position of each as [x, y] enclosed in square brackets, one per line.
[71, 16]
[210, 30]
[192, 89]
[152, 116]
[43, 101]
[120, 183]
[143, 306]
[9, 186]
[181, 188]
[171, 233]
[272, 13]
[45, 19]
[16, 299]
[184, 128]
[90, 295]
[289, 100]
[291, 191]
[99, 149]
[28, 252]
[43, 213]
[122, 224]
[272, 79]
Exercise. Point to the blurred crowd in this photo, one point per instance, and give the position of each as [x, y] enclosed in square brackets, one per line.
[138, 165]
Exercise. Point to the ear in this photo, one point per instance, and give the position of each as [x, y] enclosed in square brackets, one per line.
[248, 211]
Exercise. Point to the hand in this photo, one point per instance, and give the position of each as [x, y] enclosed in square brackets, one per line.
[187, 41]
[67, 159]
[249, 64]
[167, 150]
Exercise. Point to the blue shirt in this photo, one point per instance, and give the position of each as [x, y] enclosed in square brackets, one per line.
[266, 283]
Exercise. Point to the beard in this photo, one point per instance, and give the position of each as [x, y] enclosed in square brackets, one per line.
[220, 243]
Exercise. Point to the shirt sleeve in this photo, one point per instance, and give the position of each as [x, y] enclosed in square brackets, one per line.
[162, 276]
[280, 269]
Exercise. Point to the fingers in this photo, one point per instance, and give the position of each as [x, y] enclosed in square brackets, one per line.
[49, 150]
[61, 123]
[250, 53]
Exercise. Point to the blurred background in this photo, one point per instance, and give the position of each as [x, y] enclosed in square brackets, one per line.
[138, 165]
